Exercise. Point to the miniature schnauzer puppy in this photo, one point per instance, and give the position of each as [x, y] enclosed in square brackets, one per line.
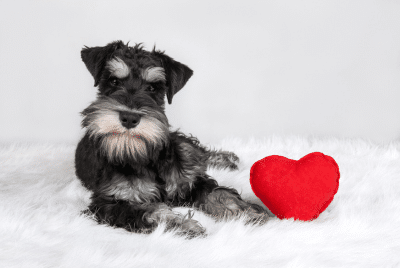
[136, 167]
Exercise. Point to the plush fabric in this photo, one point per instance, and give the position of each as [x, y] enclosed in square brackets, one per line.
[41, 224]
[300, 189]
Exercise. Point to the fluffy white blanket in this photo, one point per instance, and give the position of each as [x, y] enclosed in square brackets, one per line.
[41, 224]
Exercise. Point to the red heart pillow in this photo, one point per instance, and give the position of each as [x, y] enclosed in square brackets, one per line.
[299, 189]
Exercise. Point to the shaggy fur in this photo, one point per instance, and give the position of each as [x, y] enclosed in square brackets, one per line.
[137, 168]
[41, 224]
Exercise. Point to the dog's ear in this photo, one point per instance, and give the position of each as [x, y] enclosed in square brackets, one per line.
[177, 74]
[95, 58]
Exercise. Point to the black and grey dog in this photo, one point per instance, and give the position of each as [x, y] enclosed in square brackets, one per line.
[136, 167]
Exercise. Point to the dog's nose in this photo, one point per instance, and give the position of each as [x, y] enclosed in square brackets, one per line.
[129, 120]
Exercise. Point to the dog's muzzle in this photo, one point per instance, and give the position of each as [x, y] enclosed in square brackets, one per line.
[129, 120]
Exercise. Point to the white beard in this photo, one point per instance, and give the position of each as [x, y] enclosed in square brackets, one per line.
[118, 143]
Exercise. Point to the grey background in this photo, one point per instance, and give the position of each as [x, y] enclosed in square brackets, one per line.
[260, 67]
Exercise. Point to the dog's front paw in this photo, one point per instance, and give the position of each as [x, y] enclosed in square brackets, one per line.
[190, 228]
[223, 159]
[184, 225]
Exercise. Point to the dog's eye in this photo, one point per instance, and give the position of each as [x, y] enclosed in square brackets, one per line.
[114, 82]
[150, 88]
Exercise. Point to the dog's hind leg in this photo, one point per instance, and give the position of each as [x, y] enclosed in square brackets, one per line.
[210, 157]
[224, 203]
[222, 159]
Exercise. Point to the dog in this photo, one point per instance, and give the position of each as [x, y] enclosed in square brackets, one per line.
[137, 168]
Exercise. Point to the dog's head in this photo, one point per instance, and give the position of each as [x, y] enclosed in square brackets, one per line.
[128, 116]
[118, 66]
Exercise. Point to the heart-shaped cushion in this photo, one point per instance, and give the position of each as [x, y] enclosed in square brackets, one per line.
[299, 189]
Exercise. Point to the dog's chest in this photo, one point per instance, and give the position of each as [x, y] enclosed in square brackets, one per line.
[136, 189]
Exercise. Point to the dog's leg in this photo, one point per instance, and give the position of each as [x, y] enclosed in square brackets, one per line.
[210, 157]
[223, 202]
[222, 159]
[142, 217]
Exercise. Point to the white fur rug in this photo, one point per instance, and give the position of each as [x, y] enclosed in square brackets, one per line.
[41, 225]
